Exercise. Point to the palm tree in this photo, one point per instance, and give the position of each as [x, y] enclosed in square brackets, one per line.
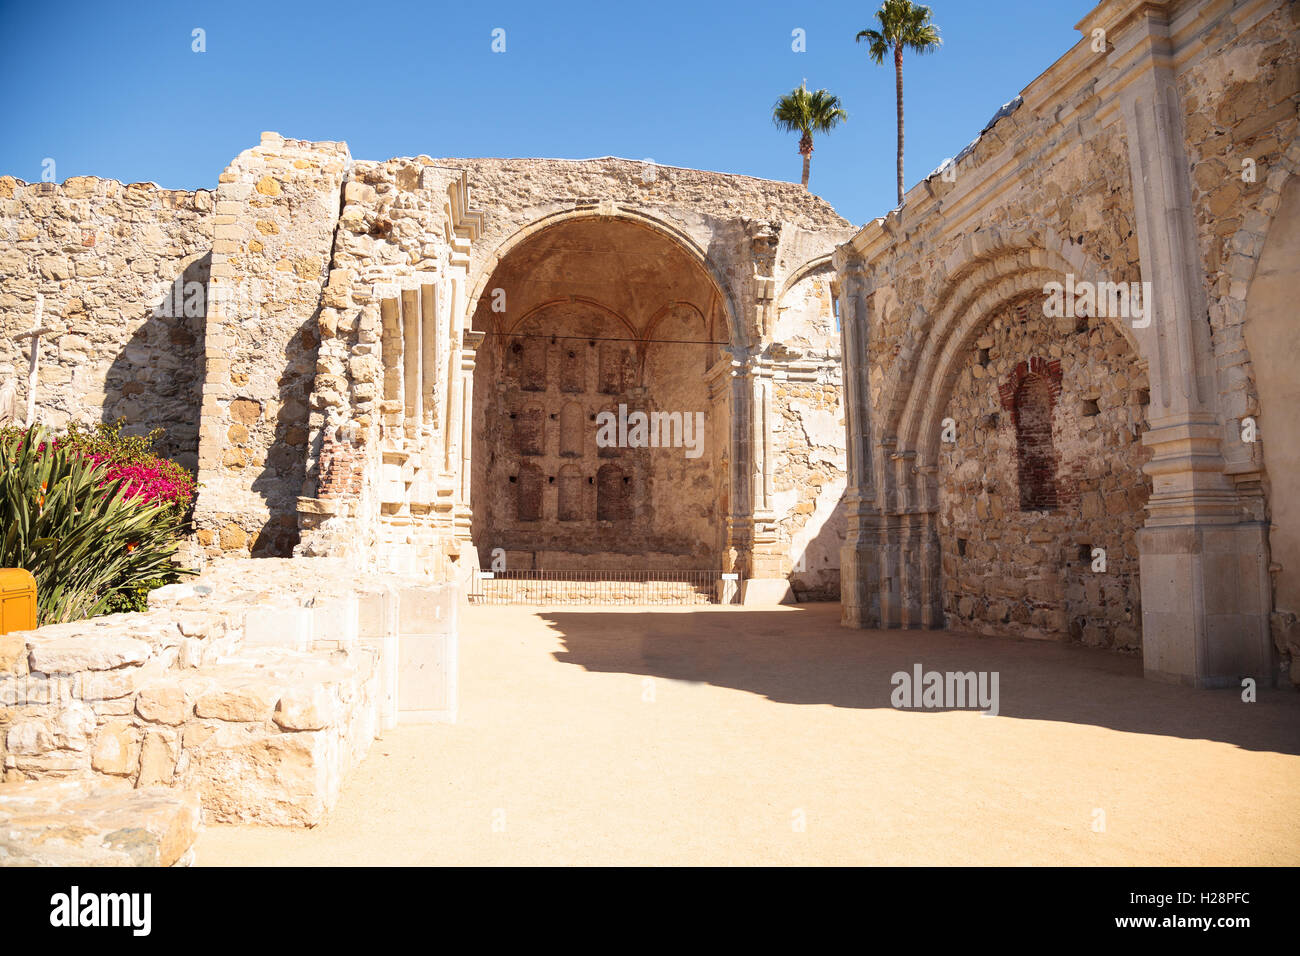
[806, 113]
[903, 26]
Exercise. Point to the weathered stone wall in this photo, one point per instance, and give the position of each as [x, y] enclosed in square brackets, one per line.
[123, 270]
[808, 436]
[720, 214]
[329, 348]
[1009, 569]
[521, 191]
[276, 210]
[1116, 165]
[752, 238]
[549, 495]
[940, 273]
[596, 315]
[1078, 204]
[1241, 120]
[384, 472]
[259, 687]
[1244, 153]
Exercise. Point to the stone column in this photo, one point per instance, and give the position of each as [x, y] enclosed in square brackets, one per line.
[1204, 568]
[740, 525]
[463, 512]
[430, 334]
[719, 379]
[412, 352]
[766, 582]
[931, 555]
[860, 555]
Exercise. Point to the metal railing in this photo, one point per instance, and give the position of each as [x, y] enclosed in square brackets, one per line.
[639, 587]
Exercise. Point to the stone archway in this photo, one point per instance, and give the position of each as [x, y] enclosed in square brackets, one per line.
[590, 320]
[1040, 493]
[933, 531]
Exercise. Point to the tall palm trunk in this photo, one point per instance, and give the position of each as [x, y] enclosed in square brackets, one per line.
[805, 150]
[807, 161]
[898, 77]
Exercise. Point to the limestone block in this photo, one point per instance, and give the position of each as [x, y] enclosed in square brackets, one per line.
[117, 749]
[164, 704]
[68, 655]
[85, 823]
[245, 703]
[281, 779]
[29, 737]
[282, 627]
[306, 708]
[110, 684]
[765, 592]
[13, 654]
[158, 756]
[334, 622]
[427, 610]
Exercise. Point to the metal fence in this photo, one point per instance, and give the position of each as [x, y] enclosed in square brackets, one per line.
[640, 587]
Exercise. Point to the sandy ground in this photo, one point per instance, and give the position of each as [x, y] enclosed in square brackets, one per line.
[725, 736]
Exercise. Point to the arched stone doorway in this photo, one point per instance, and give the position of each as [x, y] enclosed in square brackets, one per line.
[592, 322]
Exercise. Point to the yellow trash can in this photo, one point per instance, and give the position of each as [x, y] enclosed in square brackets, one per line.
[17, 600]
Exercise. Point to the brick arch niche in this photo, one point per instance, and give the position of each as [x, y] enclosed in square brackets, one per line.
[1045, 475]
[1030, 395]
[595, 315]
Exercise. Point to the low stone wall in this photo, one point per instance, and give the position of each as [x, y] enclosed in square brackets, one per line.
[258, 686]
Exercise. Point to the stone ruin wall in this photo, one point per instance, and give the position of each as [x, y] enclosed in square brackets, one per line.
[1028, 572]
[123, 270]
[758, 235]
[1006, 570]
[1242, 108]
[522, 191]
[258, 686]
[1046, 190]
[808, 438]
[371, 476]
[550, 497]
[1240, 104]
[277, 366]
[276, 209]
[1080, 195]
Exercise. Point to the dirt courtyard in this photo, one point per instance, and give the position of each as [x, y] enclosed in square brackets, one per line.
[728, 736]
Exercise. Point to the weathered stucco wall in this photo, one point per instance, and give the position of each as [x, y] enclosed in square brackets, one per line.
[123, 270]
[808, 436]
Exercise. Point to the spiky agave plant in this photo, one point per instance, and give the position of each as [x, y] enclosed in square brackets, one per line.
[805, 113]
[82, 540]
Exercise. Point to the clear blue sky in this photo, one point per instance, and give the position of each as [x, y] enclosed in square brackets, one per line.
[115, 90]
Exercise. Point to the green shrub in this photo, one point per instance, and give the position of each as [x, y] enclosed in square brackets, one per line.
[90, 543]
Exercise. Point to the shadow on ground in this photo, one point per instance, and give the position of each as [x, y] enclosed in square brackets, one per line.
[802, 655]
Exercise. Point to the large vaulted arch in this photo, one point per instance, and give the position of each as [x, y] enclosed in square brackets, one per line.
[588, 317]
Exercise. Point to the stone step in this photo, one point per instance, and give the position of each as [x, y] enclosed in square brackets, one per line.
[85, 822]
